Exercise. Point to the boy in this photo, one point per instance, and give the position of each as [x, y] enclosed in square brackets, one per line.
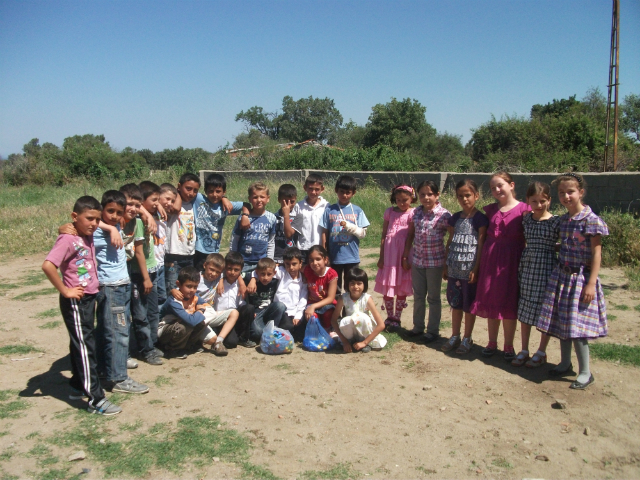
[344, 224]
[211, 211]
[292, 291]
[308, 213]
[74, 255]
[168, 194]
[257, 241]
[286, 234]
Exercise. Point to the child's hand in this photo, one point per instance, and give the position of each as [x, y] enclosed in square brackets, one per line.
[202, 307]
[405, 264]
[309, 312]
[175, 293]
[473, 276]
[588, 293]
[245, 224]
[359, 346]
[148, 286]
[346, 347]
[152, 226]
[445, 274]
[284, 206]
[226, 204]
[220, 288]
[252, 287]
[114, 236]
[67, 229]
[296, 321]
[75, 293]
[162, 212]
[343, 223]
[242, 289]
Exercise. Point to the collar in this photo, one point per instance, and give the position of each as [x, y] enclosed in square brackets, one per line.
[434, 211]
[318, 203]
[584, 213]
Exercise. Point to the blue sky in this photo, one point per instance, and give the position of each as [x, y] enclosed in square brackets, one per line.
[163, 74]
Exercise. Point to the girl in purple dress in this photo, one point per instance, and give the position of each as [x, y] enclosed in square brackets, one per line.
[497, 291]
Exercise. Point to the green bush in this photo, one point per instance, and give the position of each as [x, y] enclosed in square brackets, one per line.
[621, 246]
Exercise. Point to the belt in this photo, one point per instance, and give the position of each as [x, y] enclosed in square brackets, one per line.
[571, 270]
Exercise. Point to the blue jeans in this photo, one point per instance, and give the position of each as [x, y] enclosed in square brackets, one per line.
[112, 331]
[276, 311]
[162, 287]
[172, 266]
[144, 314]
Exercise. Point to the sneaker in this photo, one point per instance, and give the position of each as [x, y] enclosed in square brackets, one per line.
[220, 350]
[104, 407]
[451, 344]
[131, 364]
[153, 360]
[177, 354]
[365, 349]
[247, 343]
[130, 386]
[77, 394]
[157, 352]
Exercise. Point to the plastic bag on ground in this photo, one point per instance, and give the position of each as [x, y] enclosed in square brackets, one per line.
[275, 340]
[316, 338]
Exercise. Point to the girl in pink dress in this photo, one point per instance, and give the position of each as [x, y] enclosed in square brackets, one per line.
[392, 280]
[497, 294]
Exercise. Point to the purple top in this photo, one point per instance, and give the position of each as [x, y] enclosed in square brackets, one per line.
[575, 237]
[75, 257]
[502, 227]
[428, 243]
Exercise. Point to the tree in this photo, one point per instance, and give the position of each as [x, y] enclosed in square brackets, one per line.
[630, 119]
[266, 123]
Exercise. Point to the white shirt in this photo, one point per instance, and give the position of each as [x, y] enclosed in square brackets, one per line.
[292, 292]
[307, 222]
[181, 231]
[229, 299]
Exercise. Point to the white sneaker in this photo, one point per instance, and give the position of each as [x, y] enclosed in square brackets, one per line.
[130, 386]
[131, 364]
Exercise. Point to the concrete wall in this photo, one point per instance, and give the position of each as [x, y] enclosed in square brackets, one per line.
[620, 191]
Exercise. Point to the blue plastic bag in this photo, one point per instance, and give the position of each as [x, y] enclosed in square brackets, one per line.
[275, 340]
[316, 338]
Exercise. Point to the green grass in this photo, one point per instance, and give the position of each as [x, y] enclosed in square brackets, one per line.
[33, 278]
[17, 349]
[633, 275]
[52, 312]
[37, 293]
[637, 308]
[622, 307]
[445, 324]
[342, 471]
[161, 381]
[11, 408]
[392, 339]
[611, 317]
[501, 462]
[614, 352]
[50, 325]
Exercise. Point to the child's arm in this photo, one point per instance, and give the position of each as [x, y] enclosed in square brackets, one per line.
[346, 345]
[376, 331]
[177, 294]
[482, 235]
[331, 296]
[589, 291]
[302, 303]
[385, 228]
[227, 206]
[149, 221]
[114, 234]
[242, 287]
[252, 286]
[178, 310]
[162, 212]
[286, 216]
[445, 270]
[407, 246]
[353, 229]
[324, 239]
[245, 223]
[142, 264]
[177, 204]
[51, 271]
[236, 235]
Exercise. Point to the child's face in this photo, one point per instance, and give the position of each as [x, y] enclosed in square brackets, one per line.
[467, 198]
[403, 201]
[317, 262]
[345, 196]
[570, 194]
[112, 213]
[313, 190]
[265, 275]
[259, 199]
[188, 190]
[428, 198]
[356, 288]
[501, 189]
[215, 194]
[288, 202]
[232, 272]
[211, 272]
[166, 199]
[132, 209]
[293, 267]
[86, 222]
[187, 289]
[151, 203]
[539, 203]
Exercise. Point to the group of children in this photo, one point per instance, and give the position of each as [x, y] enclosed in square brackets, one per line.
[146, 260]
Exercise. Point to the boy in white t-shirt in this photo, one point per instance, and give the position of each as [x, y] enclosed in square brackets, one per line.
[307, 214]
[168, 194]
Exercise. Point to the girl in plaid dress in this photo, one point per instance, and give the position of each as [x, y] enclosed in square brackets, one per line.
[538, 260]
[574, 308]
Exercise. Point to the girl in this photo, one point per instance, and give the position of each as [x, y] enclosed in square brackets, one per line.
[362, 323]
[497, 290]
[322, 284]
[538, 261]
[428, 227]
[574, 307]
[467, 232]
[392, 280]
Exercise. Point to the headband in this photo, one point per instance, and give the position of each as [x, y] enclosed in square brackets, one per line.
[573, 175]
[406, 188]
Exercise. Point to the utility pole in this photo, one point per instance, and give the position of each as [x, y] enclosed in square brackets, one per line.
[614, 67]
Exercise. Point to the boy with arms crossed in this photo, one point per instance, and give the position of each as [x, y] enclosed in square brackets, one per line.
[308, 214]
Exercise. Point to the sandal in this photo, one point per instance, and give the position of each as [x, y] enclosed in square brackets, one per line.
[509, 355]
[465, 346]
[391, 325]
[520, 359]
[537, 360]
[489, 350]
[452, 343]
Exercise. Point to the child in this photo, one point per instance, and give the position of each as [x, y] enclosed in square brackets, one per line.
[211, 274]
[74, 255]
[168, 194]
[308, 214]
[574, 307]
[257, 241]
[362, 323]
[286, 234]
[538, 260]
[292, 290]
[426, 232]
[211, 212]
[344, 224]
[322, 284]
[467, 232]
[392, 280]
[497, 290]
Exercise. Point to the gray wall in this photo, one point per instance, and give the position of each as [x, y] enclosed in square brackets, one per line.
[620, 191]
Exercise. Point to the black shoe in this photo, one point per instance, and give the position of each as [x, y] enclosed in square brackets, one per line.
[247, 343]
[177, 354]
[153, 360]
[430, 337]
[413, 333]
[554, 372]
[157, 352]
[581, 386]
[509, 356]
[489, 351]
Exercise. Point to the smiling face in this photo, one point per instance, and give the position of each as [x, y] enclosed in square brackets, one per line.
[132, 209]
[428, 198]
[502, 190]
[539, 203]
[215, 194]
[166, 199]
[313, 190]
[86, 222]
[112, 213]
[151, 203]
[356, 289]
[259, 200]
[570, 195]
[188, 190]
[317, 262]
[232, 272]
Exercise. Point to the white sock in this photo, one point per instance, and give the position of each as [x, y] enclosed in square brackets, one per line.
[220, 340]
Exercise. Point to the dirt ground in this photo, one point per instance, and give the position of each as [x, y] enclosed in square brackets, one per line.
[405, 412]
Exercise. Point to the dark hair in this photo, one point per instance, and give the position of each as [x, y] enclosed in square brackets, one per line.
[506, 176]
[86, 203]
[148, 188]
[320, 249]
[132, 191]
[292, 252]
[257, 187]
[313, 178]
[571, 177]
[357, 275]
[403, 189]
[188, 274]
[433, 186]
[539, 188]
[234, 258]
[346, 182]
[215, 259]
[189, 177]
[167, 187]
[265, 263]
[467, 182]
[287, 190]
[113, 196]
[215, 180]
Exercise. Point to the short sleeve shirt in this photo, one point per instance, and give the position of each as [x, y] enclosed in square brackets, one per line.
[74, 255]
[575, 237]
[463, 249]
[112, 261]
[147, 247]
[318, 287]
[253, 243]
[307, 222]
[282, 242]
[343, 246]
[428, 244]
[210, 219]
[181, 231]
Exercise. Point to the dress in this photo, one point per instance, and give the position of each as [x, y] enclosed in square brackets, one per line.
[358, 322]
[563, 315]
[537, 262]
[392, 279]
[497, 293]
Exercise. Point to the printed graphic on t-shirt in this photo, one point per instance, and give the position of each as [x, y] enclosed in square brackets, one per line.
[186, 226]
[83, 265]
[339, 234]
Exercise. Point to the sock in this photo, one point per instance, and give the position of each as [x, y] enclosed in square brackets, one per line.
[509, 348]
[541, 354]
[388, 305]
[582, 352]
[220, 339]
[492, 345]
[401, 304]
[565, 355]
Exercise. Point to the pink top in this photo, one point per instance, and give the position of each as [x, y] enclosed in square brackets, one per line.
[501, 227]
[75, 257]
